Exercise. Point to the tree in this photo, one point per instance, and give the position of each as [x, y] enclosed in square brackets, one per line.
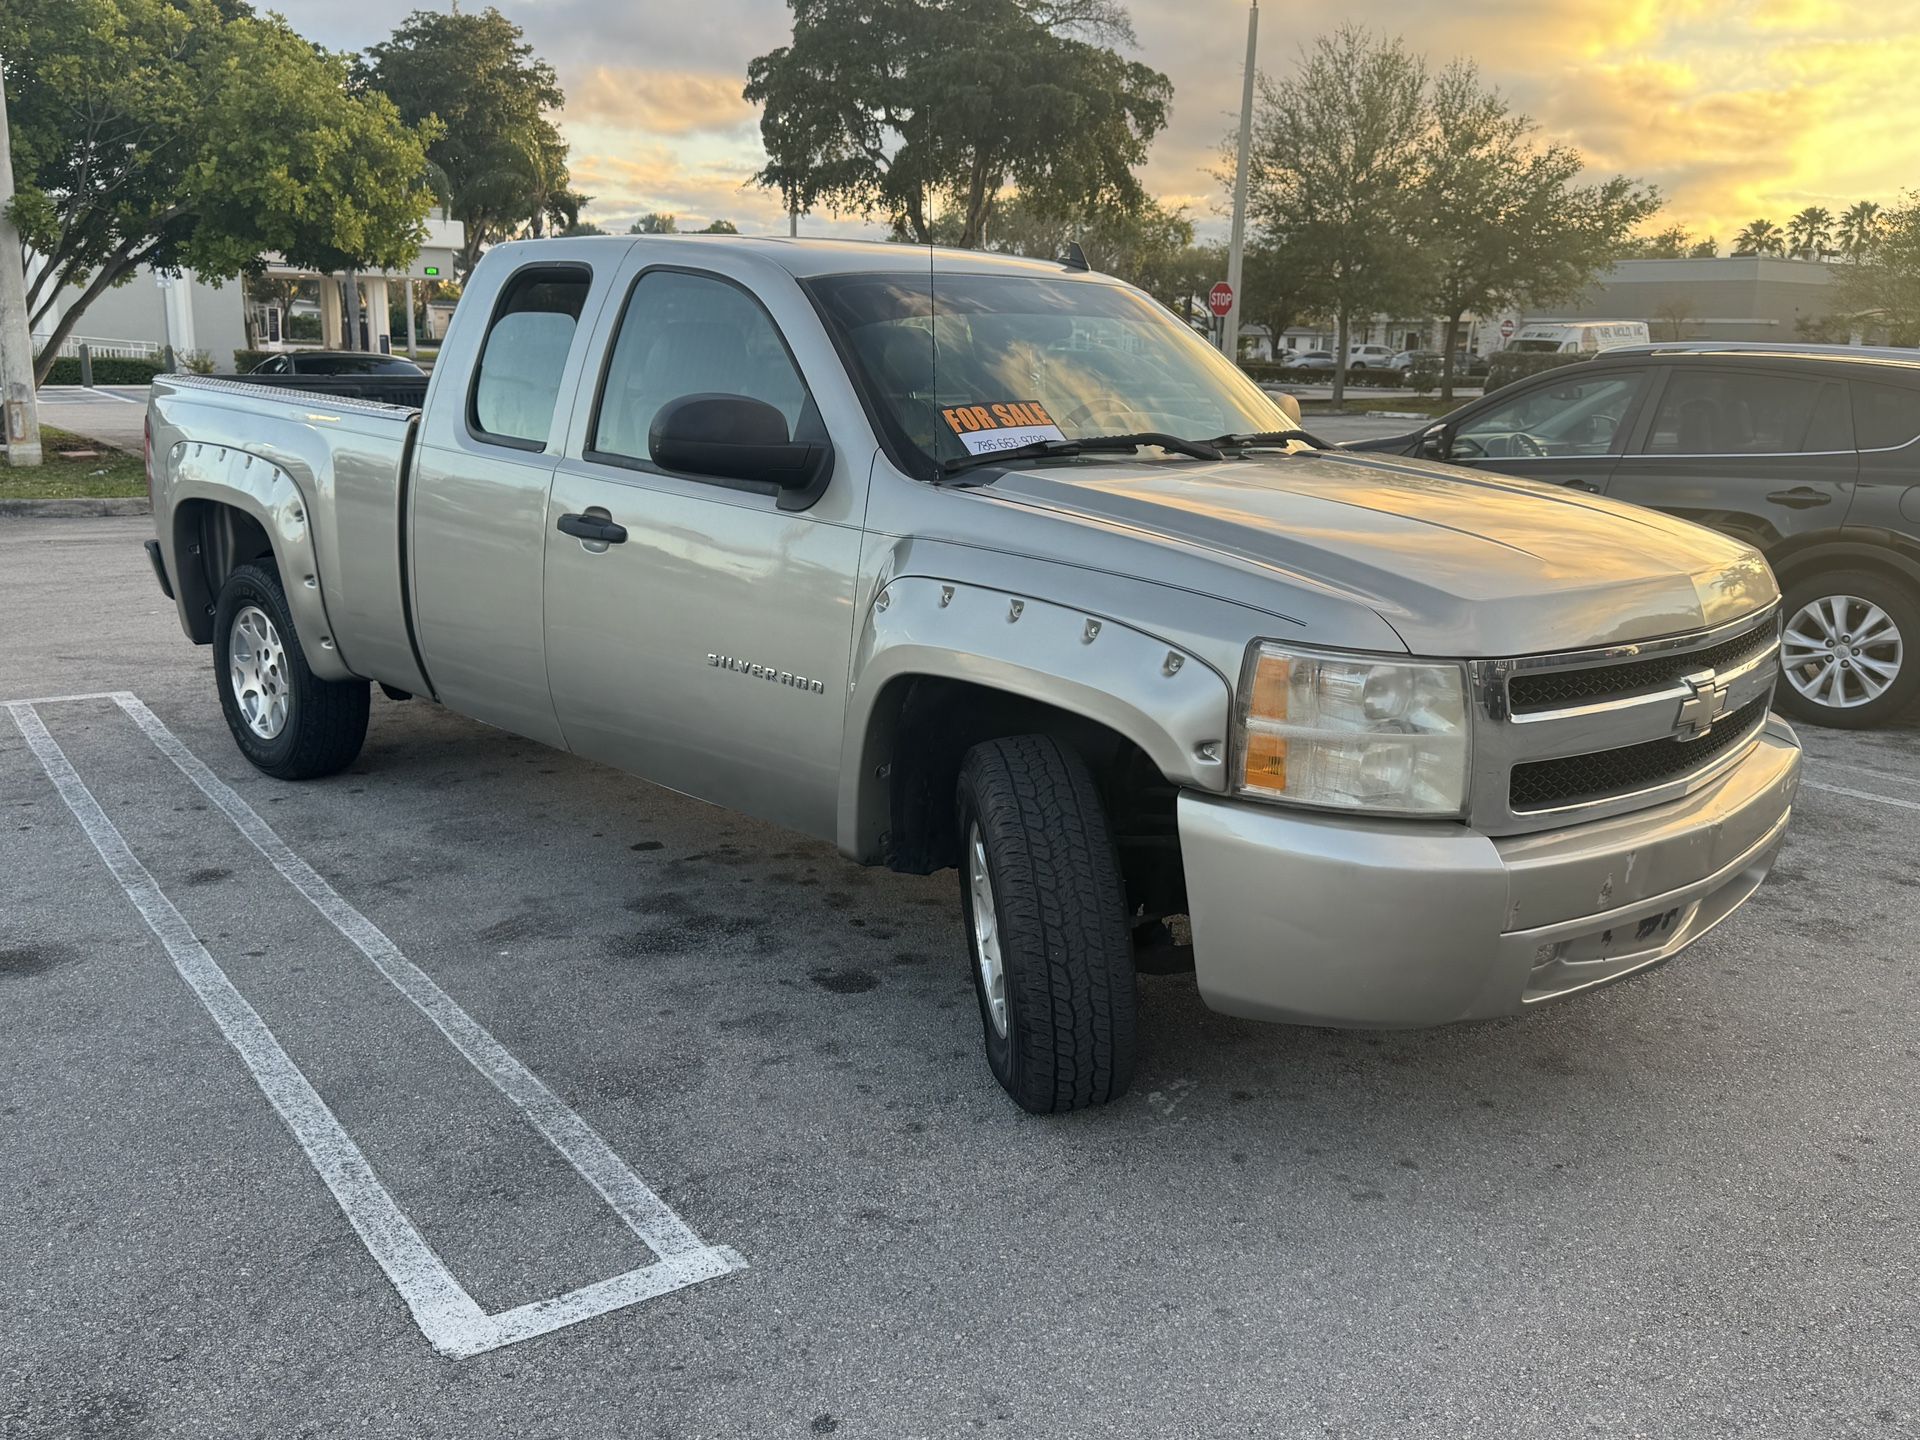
[1336, 148]
[721, 227]
[1501, 221]
[1881, 284]
[907, 109]
[191, 133]
[581, 227]
[1705, 249]
[1673, 320]
[1761, 237]
[1275, 290]
[1858, 226]
[654, 223]
[1141, 246]
[1810, 232]
[502, 161]
[1672, 243]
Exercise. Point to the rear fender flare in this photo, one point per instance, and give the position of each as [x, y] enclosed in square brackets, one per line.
[1175, 707]
[224, 475]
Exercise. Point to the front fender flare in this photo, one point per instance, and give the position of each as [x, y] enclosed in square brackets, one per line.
[1176, 708]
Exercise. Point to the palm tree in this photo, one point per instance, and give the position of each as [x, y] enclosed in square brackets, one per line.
[1857, 228]
[1762, 237]
[1809, 232]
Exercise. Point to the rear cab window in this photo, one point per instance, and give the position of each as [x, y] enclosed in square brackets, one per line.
[516, 384]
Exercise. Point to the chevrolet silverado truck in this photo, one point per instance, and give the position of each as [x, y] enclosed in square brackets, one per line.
[962, 560]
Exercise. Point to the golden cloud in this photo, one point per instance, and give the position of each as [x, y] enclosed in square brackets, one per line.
[660, 102]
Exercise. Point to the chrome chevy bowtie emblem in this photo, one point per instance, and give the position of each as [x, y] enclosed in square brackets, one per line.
[1705, 702]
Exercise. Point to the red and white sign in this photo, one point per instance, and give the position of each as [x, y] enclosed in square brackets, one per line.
[1220, 299]
[1506, 329]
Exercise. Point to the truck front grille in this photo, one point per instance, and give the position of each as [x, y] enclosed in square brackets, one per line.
[1603, 774]
[1553, 689]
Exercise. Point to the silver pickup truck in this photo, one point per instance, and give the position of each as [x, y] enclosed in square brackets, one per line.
[961, 560]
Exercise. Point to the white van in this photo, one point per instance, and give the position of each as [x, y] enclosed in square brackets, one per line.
[1586, 336]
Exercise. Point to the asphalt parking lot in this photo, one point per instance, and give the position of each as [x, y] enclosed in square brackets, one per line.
[574, 1028]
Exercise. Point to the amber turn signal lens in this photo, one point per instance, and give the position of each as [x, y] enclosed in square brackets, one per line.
[1271, 674]
[1266, 762]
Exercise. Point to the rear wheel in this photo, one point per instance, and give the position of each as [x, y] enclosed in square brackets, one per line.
[1847, 652]
[286, 720]
[1047, 930]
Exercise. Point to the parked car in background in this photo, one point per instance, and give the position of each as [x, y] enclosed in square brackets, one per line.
[1407, 361]
[1810, 453]
[335, 362]
[1370, 357]
[1567, 337]
[1311, 360]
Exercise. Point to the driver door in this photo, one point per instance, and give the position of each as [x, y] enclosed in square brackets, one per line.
[1567, 428]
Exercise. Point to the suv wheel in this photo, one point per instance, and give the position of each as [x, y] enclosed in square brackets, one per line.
[1047, 931]
[286, 720]
[1846, 656]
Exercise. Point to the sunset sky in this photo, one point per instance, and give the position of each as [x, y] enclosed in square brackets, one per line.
[1735, 108]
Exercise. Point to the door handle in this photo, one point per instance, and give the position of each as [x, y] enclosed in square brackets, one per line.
[1801, 497]
[593, 527]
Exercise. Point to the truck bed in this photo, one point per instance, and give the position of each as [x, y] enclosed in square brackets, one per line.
[327, 475]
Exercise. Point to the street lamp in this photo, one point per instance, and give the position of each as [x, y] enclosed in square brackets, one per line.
[1236, 247]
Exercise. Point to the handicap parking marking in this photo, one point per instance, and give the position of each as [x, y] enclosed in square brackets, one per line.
[446, 1314]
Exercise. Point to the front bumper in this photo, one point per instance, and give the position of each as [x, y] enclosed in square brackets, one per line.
[1329, 920]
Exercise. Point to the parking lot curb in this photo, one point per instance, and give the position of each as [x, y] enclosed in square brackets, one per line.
[74, 508]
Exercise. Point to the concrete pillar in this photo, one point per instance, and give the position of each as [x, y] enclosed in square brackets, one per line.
[413, 340]
[378, 325]
[330, 330]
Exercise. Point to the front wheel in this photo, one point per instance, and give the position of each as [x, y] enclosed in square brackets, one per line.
[1046, 916]
[286, 720]
[1843, 652]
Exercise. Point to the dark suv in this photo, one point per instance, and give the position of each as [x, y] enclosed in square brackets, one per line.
[1810, 453]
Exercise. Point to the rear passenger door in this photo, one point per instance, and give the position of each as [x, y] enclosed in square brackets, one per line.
[1760, 454]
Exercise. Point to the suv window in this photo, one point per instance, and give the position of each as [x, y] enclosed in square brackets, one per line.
[1571, 416]
[684, 334]
[1885, 417]
[1725, 412]
[517, 380]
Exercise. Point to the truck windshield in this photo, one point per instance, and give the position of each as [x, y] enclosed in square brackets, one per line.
[967, 365]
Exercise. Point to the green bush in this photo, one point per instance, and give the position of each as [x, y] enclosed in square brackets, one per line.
[301, 327]
[196, 362]
[107, 370]
[1510, 365]
[1424, 377]
[1270, 372]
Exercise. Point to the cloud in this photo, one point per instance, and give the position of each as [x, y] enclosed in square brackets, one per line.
[659, 102]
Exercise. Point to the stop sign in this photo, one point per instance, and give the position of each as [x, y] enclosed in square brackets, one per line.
[1506, 329]
[1220, 299]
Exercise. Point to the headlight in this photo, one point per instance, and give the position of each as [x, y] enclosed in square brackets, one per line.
[1352, 733]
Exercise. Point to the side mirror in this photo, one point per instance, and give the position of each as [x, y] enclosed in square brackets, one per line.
[734, 437]
[1289, 403]
[1436, 444]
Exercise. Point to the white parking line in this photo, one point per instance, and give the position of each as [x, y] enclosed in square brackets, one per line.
[1866, 771]
[446, 1314]
[1894, 800]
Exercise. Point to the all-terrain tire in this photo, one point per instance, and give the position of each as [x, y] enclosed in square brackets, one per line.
[325, 721]
[1060, 918]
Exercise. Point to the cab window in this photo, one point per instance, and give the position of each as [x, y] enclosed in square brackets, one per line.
[517, 382]
[684, 334]
[1578, 415]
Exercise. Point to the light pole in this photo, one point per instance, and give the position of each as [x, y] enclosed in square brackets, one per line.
[16, 344]
[1236, 246]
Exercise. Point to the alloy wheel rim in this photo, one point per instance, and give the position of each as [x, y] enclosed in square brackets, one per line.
[1841, 651]
[986, 932]
[257, 671]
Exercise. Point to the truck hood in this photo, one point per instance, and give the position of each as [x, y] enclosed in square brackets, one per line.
[1458, 562]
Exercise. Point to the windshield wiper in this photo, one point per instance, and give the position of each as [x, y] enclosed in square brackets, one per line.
[1269, 437]
[1091, 444]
